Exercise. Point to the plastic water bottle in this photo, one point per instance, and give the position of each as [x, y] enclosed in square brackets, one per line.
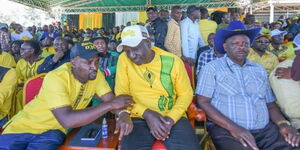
[104, 129]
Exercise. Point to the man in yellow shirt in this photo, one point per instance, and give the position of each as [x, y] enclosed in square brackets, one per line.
[277, 47]
[48, 49]
[6, 59]
[206, 26]
[173, 37]
[160, 88]
[26, 68]
[259, 54]
[8, 84]
[61, 103]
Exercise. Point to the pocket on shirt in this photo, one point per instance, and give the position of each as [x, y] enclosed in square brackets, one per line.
[227, 85]
[256, 86]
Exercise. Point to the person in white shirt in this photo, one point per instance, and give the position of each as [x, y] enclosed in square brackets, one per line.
[190, 35]
[20, 34]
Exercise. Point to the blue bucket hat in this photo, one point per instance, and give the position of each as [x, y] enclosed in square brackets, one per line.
[234, 28]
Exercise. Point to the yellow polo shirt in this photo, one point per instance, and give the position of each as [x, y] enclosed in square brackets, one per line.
[7, 86]
[285, 52]
[268, 60]
[59, 89]
[145, 84]
[7, 60]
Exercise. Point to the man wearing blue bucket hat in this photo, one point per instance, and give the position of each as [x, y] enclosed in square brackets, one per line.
[235, 94]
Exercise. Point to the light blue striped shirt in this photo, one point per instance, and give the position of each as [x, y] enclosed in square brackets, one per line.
[241, 93]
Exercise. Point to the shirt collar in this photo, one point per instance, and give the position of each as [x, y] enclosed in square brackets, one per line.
[192, 20]
[231, 63]
[174, 21]
[253, 52]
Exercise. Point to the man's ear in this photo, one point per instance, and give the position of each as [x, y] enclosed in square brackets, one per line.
[225, 46]
[148, 42]
[73, 62]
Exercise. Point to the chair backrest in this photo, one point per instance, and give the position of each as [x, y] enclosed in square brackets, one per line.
[32, 87]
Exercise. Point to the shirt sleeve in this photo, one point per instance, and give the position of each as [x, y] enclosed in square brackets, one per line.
[122, 80]
[206, 84]
[183, 90]
[269, 97]
[20, 77]
[47, 65]
[102, 87]
[200, 63]
[55, 90]
[184, 38]
[8, 86]
[201, 41]
[160, 34]
[122, 85]
[169, 38]
[296, 67]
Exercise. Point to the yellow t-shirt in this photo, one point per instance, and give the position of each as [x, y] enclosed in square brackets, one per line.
[143, 83]
[7, 60]
[26, 70]
[7, 86]
[50, 50]
[59, 89]
[285, 52]
[268, 60]
[206, 27]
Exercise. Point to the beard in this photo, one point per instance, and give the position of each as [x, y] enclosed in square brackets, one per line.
[92, 75]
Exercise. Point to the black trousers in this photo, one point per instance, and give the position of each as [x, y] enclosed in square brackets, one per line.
[182, 137]
[268, 138]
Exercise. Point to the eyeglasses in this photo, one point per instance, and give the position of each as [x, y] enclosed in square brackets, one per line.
[262, 42]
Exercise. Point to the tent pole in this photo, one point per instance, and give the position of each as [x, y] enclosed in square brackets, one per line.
[271, 13]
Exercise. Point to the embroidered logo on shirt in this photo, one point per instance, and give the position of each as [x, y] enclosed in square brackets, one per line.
[165, 103]
[149, 77]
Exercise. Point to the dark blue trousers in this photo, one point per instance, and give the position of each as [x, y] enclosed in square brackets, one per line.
[182, 137]
[49, 140]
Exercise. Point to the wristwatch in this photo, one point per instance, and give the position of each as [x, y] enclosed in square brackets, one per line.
[279, 123]
[122, 111]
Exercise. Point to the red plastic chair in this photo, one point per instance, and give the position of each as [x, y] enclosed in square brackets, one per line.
[32, 87]
[158, 145]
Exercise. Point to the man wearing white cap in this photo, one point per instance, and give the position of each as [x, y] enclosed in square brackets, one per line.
[277, 47]
[159, 86]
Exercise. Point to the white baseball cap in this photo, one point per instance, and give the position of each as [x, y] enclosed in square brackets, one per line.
[132, 36]
[296, 41]
[277, 32]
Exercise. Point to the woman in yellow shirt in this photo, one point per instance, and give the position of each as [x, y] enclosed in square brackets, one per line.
[26, 69]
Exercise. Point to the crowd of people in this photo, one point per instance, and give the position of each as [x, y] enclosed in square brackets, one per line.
[243, 72]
